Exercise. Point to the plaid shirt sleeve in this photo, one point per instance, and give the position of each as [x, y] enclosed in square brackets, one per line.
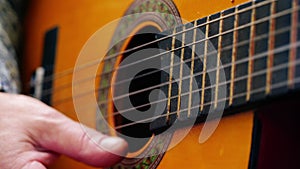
[9, 37]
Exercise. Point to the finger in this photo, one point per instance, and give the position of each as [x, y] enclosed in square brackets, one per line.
[84, 144]
[34, 165]
[46, 158]
[29, 158]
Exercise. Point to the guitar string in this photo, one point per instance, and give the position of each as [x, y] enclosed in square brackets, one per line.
[275, 86]
[60, 101]
[240, 27]
[49, 91]
[258, 73]
[202, 40]
[255, 74]
[241, 61]
[247, 9]
[211, 70]
[86, 65]
[208, 54]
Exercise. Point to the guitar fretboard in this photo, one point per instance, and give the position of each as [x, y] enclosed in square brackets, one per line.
[251, 52]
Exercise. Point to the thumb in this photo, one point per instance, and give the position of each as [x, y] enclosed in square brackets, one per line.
[65, 136]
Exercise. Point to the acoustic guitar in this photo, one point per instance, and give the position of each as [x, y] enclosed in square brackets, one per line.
[189, 84]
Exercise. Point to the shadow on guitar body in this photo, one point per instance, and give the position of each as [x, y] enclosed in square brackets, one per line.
[277, 136]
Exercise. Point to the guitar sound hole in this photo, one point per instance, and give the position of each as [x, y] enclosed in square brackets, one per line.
[140, 100]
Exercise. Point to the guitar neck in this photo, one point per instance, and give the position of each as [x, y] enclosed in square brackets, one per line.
[238, 56]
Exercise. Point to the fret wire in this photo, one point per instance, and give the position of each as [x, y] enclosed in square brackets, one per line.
[204, 65]
[237, 62]
[91, 63]
[240, 61]
[258, 56]
[278, 67]
[209, 22]
[215, 36]
[218, 63]
[180, 72]
[278, 85]
[294, 35]
[281, 14]
[238, 28]
[233, 59]
[274, 86]
[171, 76]
[271, 47]
[261, 72]
[204, 24]
[251, 54]
[192, 69]
[273, 69]
[225, 48]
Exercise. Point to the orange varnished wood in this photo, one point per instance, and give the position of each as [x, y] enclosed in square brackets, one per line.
[77, 21]
[193, 9]
[228, 147]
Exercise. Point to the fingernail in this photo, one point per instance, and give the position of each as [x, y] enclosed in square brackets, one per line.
[114, 145]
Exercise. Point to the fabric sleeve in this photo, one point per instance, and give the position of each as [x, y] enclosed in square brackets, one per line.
[10, 29]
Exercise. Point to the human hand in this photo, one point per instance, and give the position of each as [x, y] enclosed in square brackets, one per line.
[32, 135]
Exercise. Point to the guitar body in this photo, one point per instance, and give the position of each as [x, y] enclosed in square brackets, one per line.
[230, 145]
